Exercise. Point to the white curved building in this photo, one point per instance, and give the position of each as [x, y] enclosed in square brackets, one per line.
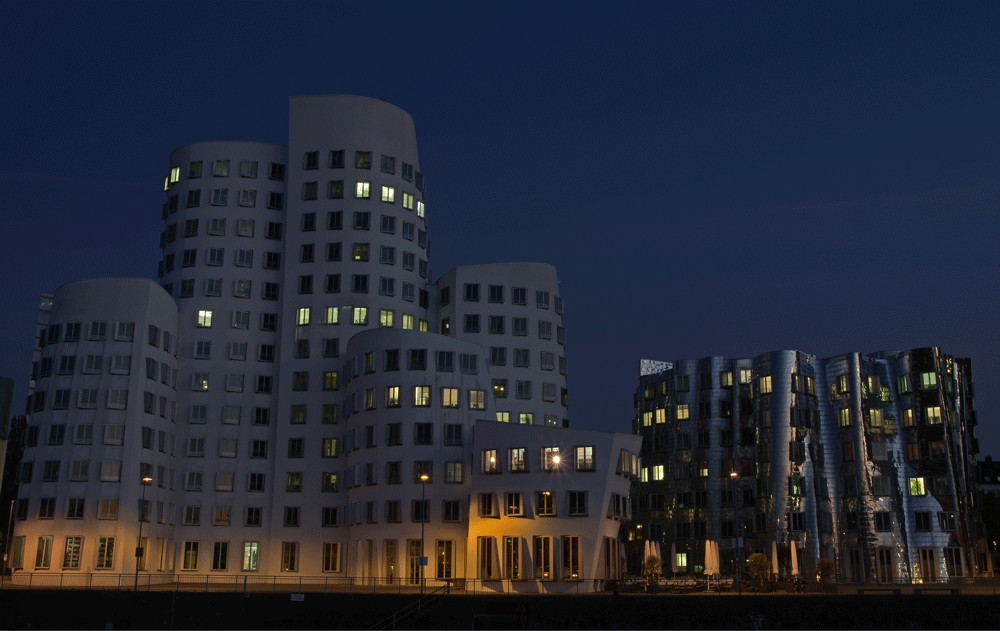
[102, 418]
[318, 374]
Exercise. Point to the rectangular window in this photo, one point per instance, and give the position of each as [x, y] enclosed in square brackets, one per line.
[577, 503]
[105, 553]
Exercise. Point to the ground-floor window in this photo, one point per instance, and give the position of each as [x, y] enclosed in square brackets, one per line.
[289, 556]
[512, 557]
[883, 558]
[953, 561]
[612, 558]
[928, 564]
[571, 558]
[71, 557]
[105, 553]
[543, 558]
[190, 556]
[250, 551]
[17, 553]
[487, 558]
[43, 554]
[445, 554]
[682, 561]
[390, 553]
[414, 551]
[331, 556]
[220, 555]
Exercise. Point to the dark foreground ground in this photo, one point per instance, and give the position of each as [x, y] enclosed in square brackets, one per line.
[186, 610]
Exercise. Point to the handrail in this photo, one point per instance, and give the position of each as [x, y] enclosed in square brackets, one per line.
[412, 608]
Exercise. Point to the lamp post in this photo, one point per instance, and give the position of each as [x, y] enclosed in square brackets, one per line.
[138, 546]
[739, 540]
[422, 561]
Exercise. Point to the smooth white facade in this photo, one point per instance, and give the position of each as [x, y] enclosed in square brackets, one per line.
[317, 374]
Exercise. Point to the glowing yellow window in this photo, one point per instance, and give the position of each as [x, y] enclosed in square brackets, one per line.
[683, 413]
[765, 384]
[661, 415]
[389, 194]
[362, 190]
[934, 415]
[302, 316]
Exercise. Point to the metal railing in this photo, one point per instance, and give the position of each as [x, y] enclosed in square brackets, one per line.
[412, 609]
[287, 583]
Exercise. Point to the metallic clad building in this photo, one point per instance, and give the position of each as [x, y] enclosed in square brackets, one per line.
[865, 460]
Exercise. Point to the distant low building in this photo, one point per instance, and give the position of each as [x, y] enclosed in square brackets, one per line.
[865, 460]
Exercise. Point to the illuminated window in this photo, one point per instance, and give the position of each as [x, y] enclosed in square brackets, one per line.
[421, 396]
[683, 413]
[392, 396]
[933, 414]
[449, 397]
[875, 418]
[916, 486]
[658, 472]
[585, 458]
[362, 190]
[928, 380]
[360, 315]
[546, 504]
[302, 316]
[329, 380]
[661, 415]
[550, 458]
[204, 318]
[908, 417]
[844, 417]
[517, 460]
[420, 209]
[503, 417]
[385, 317]
[489, 461]
[389, 194]
[765, 384]
[477, 399]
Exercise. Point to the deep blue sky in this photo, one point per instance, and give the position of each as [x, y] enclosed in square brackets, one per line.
[708, 178]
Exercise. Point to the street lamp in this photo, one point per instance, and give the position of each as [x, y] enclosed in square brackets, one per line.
[138, 547]
[422, 562]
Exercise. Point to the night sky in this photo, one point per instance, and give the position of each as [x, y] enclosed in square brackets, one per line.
[708, 178]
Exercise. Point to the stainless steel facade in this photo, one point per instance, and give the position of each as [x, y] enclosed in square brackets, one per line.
[865, 460]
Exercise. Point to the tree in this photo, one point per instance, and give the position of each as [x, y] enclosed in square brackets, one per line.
[757, 566]
[652, 568]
